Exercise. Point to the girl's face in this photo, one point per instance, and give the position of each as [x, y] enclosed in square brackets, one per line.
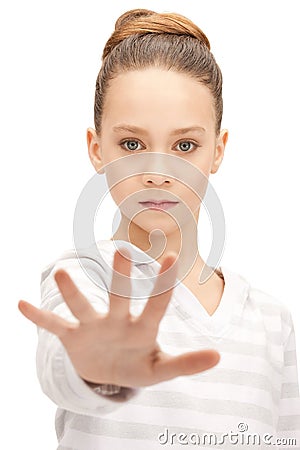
[161, 112]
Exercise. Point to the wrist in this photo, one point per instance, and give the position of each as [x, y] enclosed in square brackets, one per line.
[103, 388]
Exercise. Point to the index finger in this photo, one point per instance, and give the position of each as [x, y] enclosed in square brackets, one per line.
[76, 301]
[162, 292]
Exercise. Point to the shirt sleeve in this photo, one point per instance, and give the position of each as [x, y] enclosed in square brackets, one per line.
[288, 429]
[56, 373]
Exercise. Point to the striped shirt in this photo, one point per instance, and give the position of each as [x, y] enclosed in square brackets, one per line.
[250, 399]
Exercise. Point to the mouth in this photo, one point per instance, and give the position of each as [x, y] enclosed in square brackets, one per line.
[158, 205]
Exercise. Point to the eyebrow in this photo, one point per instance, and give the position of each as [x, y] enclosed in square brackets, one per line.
[134, 129]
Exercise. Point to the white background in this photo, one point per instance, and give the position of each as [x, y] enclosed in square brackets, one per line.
[50, 57]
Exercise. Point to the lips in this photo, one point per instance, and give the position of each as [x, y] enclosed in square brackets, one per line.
[161, 204]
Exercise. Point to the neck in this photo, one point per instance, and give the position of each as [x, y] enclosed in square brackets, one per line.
[183, 242]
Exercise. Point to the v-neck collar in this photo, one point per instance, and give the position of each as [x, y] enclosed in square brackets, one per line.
[231, 305]
[187, 304]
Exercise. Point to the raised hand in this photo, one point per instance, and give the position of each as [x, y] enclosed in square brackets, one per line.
[118, 348]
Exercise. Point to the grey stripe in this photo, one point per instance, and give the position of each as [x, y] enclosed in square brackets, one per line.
[289, 423]
[51, 302]
[128, 430]
[290, 390]
[286, 317]
[210, 406]
[100, 272]
[45, 273]
[60, 423]
[275, 336]
[290, 441]
[248, 324]
[237, 377]
[244, 348]
[248, 349]
[290, 358]
[269, 309]
[93, 269]
[274, 309]
[182, 313]
[180, 340]
[113, 428]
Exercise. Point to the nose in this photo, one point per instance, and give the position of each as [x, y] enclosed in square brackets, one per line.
[156, 170]
[155, 179]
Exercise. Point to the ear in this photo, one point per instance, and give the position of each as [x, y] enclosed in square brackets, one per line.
[94, 149]
[219, 152]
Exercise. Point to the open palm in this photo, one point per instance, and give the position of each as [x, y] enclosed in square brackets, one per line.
[117, 347]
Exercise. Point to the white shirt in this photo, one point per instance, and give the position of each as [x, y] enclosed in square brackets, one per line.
[250, 396]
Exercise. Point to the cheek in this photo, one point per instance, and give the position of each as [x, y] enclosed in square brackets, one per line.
[195, 188]
[119, 192]
[124, 194]
[204, 161]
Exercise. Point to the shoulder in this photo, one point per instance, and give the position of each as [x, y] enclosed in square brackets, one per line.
[98, 254]
[260, 307]
[274, 313]
[269, 304]
[89, 266]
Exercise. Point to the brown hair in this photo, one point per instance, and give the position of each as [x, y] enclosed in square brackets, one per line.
[144, 38]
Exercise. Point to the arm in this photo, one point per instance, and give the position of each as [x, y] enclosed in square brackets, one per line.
[289, 404]
[56, 374]
[114, 347]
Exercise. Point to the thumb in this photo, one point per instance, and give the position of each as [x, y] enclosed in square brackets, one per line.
[168, 367]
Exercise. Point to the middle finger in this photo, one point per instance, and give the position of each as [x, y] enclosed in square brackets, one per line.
[120, 285]
[162, 292]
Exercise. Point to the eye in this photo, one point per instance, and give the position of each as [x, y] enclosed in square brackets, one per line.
[186, 146]
[131, 145]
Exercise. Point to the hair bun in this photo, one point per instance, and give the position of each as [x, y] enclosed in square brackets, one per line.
[144, 21]
[132, 15]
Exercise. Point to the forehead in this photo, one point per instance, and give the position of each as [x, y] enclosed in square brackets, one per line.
[156, 95]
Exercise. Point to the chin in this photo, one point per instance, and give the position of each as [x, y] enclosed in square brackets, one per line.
[159, 225]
